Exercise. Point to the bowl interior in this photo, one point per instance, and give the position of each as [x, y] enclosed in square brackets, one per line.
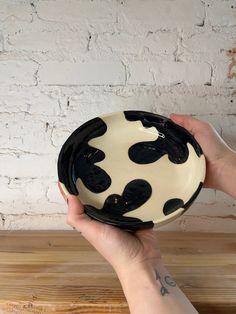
[132, 168]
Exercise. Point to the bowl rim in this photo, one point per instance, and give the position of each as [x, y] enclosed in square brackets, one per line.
[64, 179]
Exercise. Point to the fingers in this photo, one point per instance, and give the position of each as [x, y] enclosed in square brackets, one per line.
[76, 216]
[191, 124]
[75, 208]
[63, 193]
[90, 228]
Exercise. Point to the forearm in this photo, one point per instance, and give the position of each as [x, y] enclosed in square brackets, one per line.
[152, 290]
[227, 181]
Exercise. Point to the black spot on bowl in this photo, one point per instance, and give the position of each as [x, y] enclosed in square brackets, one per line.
[172, 205]
[173, 141]
[135, 194]
[77, 158]
[93, 177]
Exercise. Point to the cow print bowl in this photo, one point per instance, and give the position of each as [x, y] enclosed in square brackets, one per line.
[132, 169]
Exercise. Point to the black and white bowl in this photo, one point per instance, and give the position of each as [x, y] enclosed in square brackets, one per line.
[132, 169]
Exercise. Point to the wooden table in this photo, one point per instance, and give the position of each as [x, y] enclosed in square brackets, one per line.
[60, 272]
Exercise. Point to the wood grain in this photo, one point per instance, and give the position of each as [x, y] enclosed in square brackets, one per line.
[60, 272]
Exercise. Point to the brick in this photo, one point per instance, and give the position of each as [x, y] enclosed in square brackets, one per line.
[220, 73]
[13, 99]
[166, 73]
[20, 36]
[61, 133]
[34, 190]
[17, 72]
[221, 13]
[224, 199]
[206, 224]
[48, 207]
[36, 222]
[88, 73]
[127, 44]
[17, 190]
[206, 196]
[74, 11]
[140, 73]
[15, 135]
[54, 40]
[120, 42]
[228, 125]
[212, 210]
[190, 73]
[15, 10]
[139, 16]
[30, 100]
[8, 194]
[27, 165]
[203, 103]
[54, 195]
[161, 43]
[1, 42]
[41, 207]
[210, 46]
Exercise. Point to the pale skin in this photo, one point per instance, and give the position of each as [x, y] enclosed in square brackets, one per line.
[136, 257]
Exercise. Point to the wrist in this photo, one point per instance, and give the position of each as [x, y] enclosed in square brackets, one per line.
[149, 288]
[135, 273]
[139, 284]
[227, 174]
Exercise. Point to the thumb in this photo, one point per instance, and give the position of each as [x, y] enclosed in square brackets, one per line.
[189, 123]
[76, 216]
[91, 229]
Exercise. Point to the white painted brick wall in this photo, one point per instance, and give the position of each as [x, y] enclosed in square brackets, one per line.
[63, 62]
[17, 72]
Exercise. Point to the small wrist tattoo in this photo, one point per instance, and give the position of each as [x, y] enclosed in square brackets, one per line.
[163, 289]
[168, 280]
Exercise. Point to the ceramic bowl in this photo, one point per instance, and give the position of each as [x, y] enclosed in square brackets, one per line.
[132, 169]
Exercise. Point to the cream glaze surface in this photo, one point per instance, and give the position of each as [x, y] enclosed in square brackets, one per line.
[168, 180]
